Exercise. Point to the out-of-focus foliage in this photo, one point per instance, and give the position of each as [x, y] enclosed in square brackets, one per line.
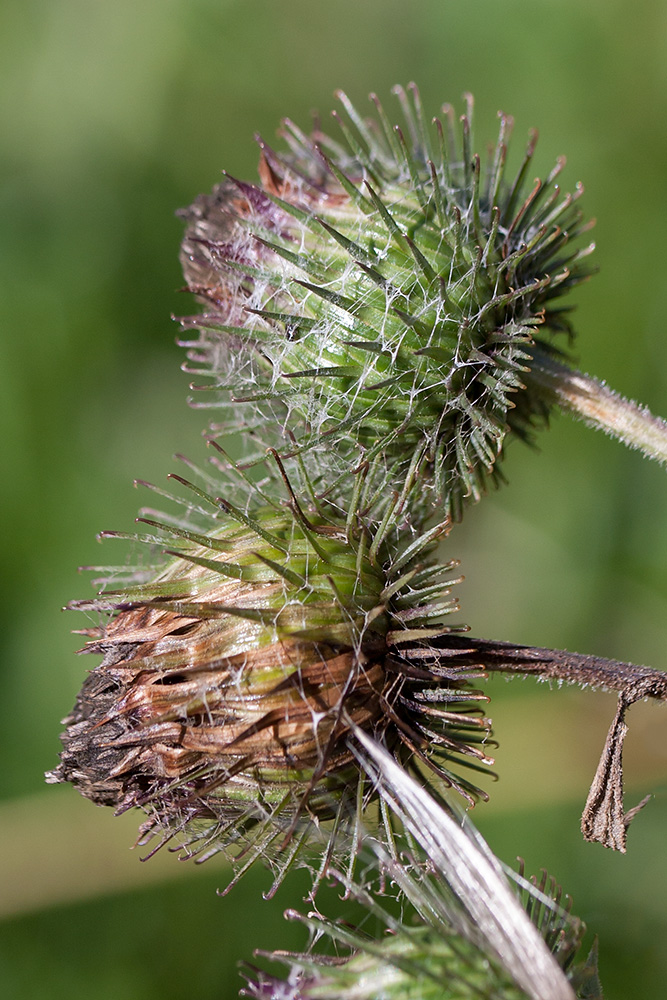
[113, 115]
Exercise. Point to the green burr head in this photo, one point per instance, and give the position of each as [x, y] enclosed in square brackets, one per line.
[375, 299]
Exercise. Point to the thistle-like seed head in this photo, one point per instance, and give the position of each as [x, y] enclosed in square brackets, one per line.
[233, 676]
[463, 927]
[382, 297]
[415, 957]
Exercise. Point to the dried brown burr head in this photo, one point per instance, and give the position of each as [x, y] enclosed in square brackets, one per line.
[232, 683]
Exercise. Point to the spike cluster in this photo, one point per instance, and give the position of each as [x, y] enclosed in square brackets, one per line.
[383, 299]
[233, 677]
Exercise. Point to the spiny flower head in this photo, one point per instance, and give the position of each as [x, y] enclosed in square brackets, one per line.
[382, 297]
[418, 957]
[467, 926]
[234, 675]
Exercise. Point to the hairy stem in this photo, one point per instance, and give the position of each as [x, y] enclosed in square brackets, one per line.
[600, 407]
[633, 682]
[605, 819]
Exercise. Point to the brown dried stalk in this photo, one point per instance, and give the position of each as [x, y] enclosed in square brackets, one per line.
[604, 819]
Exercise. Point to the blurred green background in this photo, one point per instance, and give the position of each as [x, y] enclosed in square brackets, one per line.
[114, 114]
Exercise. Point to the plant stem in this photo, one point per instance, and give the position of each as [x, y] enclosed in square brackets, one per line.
[632, 681]
[600, 407]
[605, 819]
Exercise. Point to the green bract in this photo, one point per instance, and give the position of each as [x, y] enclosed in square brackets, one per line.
[383, 298]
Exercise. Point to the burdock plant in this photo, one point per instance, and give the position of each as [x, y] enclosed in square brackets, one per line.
[281, 678]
